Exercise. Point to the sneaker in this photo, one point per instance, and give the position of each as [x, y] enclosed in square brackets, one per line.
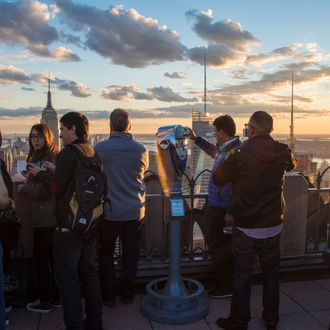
[229, 324]
[272, 326]
[109, 302]
[8, 308]
[127, 300]
[220, 293]
[7, 322]
[57, 303]
[39, 307]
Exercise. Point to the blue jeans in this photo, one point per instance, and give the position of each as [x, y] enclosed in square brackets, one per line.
[74, 264]
[2, 291]
[245, 250]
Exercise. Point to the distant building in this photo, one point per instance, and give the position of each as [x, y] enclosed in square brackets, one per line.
[19, 164]
[304, 163]
[202, 125]
[49, 116]
[7, 157]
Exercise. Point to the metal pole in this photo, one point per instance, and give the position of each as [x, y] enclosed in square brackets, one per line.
[174, 286]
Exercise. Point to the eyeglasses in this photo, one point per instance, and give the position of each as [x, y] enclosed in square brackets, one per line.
[36, 136]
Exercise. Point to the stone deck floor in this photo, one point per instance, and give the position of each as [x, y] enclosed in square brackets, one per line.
[304, 305]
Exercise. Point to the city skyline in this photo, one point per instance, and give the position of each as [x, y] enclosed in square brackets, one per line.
[148, 57]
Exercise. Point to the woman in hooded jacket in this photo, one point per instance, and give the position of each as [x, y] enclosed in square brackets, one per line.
[42, 152]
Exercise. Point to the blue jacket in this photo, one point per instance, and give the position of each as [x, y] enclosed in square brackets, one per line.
[218, 196]
[124, 164]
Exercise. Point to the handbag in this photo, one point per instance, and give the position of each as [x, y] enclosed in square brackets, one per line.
[10, 228]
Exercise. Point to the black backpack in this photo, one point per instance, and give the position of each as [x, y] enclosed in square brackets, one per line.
[89, 194]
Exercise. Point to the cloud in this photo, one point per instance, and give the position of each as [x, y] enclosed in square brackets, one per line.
[240, 107]
[29, 89]
[216, 56]
[243, 73]
[124, 36]
[174, 75]
[10, 74]
[25, 23]
[287, 99]
[302, 53]
[20, 112]
[119, 93]
[166, 94]
[76, 88]
[131, 92]
[225, 32]
[299, 66]
[278, 54]
[277, 80]
[65, 55]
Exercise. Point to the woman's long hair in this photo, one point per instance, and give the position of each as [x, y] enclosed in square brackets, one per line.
[48, 151]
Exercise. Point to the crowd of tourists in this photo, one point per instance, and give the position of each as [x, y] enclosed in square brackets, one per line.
[83, 196]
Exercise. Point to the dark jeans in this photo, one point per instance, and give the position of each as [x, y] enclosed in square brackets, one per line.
[245, 250]
[43, 239]
[128, 232]
[221, 249]
[74, 261]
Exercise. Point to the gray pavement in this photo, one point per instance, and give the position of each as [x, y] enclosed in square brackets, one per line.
[305, 305]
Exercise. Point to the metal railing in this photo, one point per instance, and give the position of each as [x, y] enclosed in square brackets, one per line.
[195, 252]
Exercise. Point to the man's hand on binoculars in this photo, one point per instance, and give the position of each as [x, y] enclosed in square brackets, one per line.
[192, 135]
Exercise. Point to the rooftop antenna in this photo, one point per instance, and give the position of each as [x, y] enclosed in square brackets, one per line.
[291, 140]
[205, 82]
[49, 95]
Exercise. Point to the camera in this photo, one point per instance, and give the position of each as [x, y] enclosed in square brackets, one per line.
[37, 164]
[245, 132]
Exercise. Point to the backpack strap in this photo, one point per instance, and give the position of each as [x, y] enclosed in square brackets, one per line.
[83, 155]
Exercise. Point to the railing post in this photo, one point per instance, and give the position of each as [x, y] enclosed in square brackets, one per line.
[326, 252]
[318, 185]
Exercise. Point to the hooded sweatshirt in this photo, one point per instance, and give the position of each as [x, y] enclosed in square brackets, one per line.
[256, 171]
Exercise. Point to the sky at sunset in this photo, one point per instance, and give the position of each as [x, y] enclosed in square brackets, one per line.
[147, 56]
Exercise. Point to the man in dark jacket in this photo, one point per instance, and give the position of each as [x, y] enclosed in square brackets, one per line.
[256, 171]
[218, 203]
[125, 162]
[74, 256]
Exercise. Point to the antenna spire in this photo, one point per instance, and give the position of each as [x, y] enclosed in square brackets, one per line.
[205, 82]
[49, 95]
[291, 141]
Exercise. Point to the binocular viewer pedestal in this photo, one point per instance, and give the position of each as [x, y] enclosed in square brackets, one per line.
[173, 299]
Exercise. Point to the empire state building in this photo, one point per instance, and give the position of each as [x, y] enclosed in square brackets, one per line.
[49, 116]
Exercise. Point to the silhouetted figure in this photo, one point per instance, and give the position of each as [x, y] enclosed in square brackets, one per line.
[125, 162]
[74, 255]
[42, 214]
[256, 171]
[217, 205]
